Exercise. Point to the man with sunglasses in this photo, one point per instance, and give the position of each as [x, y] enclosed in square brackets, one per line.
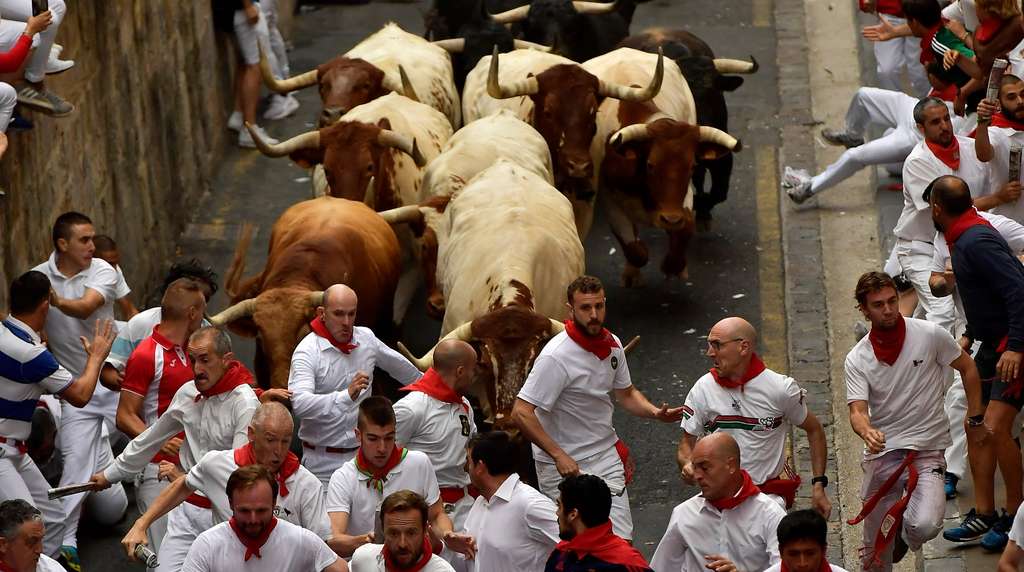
[756, 406]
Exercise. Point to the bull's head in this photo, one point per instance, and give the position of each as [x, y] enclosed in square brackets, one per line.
[428, 222]
[344, 83]
[357, 157]
[546, 21]
[565, 99]
[478, 40]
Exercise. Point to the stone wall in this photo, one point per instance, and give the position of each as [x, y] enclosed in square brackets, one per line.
[152, 86]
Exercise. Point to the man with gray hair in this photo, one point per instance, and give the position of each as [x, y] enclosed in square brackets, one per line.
[21, 539]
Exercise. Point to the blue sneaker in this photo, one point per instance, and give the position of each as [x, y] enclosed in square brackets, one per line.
[69, 558]
[951, 481]
[972, 527]
[995, 540]
[19, 122]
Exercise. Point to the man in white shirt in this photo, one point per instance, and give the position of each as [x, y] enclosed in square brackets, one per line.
[27, 372]
[729, 526]
[380, 468]
[758, 407]
[300, 498]
[214, 411]
[803, 543]
[901, 365]
[1001, 127]
[437, 419]
[565, 407]
[514, 527]
[84, 290]
[254, 540]
[21, 539]
[406, 542]
[330, 375]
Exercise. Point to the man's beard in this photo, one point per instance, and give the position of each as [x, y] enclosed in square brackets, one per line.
[586, 328]
[567, 534]
[938, 226]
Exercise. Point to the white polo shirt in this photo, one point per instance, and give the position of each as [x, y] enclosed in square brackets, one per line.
[921, 168]
[746, 535]
[571, 389]
[441, 430]
[1017, 530]
[368, 558]
[27, 371]
[217, 423]
[1001, 139]
[63, 331]
[319, 379]
[289, 547]
[349, 490]
[758, 416]
[122, 289]
[515, 531]
[304, 505]
[915, 383]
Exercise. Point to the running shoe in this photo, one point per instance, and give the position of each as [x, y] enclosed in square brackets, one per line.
[950, 486]
[841, 138]
[972, 527]
[995, 540]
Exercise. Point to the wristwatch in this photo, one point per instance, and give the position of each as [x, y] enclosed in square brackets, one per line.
[823, 479]
[976, 420]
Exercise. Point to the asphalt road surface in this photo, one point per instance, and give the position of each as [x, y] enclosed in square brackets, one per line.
[727, 266]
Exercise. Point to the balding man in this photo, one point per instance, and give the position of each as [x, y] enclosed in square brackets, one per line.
[757, 406]
[155, 371]
[330, 375]
[730, 526]
[437, 419]
[299, 501]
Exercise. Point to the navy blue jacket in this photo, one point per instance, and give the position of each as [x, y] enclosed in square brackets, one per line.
[990, 280]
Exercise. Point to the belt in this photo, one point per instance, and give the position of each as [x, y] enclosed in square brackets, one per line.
[199, 501]
[452, 495]
[21, 446]
[341, 450]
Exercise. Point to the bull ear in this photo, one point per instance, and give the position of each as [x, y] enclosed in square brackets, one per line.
[384, 123]
[728, 82]
[711, 151]
[307, 158]
[244, 327]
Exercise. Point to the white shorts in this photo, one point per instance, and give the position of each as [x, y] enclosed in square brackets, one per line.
[248, 35]
[606, 465]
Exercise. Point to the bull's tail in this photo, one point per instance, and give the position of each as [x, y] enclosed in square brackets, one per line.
[234, 275]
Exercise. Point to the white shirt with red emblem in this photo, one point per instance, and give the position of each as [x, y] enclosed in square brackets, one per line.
[758, 416]
[905, 400]
[368, 558]
[304, 505]
[571, 389]
[745, 535]
[289, 547]
[441, 430]
[319, 378]
[350, 492]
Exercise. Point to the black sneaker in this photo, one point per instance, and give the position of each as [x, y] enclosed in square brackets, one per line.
[841, 138]
[972, 527]
[19, 122]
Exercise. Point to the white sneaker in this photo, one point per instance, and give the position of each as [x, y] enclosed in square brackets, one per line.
[235, 121]
[55, 51]
[797, 184]
[281, 106]
[245, 139]
[56, 66]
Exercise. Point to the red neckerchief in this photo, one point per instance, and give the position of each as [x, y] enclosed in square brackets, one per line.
[245, 456]
[962, 223]
[748, 490]
[927, 55]
[600, 345]
[949, 155]
[753, 370]
[785, 488]
[888, 343]
[604, 545]
[428, 553]
[320, 329]
[1000, 120]
[986, 29]
[379, 476]
[432, 384]
[253, 545]
[825, 566]
[947, 93]
[235, 376]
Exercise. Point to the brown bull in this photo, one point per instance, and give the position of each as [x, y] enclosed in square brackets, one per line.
[313, 244]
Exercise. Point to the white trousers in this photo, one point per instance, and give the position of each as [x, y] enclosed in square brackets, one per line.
[19, 11]
[147, 488]
[915, 259]
[21, 479]
[606, 465]
[85, 451]
[922, 520]
[8, 99]
[281, 69]
[323, 464]
[898, 53]
[184, 524]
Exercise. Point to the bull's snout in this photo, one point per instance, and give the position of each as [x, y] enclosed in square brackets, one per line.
[330, 116]
[579, 168]
[670, 219]
[674, 219]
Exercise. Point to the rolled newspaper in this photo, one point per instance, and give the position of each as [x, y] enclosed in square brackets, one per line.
[998, 68]
[69, 490]
[146, 556]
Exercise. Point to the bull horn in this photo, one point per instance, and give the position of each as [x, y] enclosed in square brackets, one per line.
[712, 135]
[452, 46]
[403, 87]
[243, 309]
[524, 45]
[285, 85]
[635, 132]
[632, 344]
[556, 328]
[528, 86]
[512, 16]
[463, 332]
[403, 143]
[316, 298]
[368, 197]
[637, 94]
[594, 7]
[408, 213]
[724, 65]
[308, 140]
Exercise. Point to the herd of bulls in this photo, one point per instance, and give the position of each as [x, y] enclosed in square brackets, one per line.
[470, 163]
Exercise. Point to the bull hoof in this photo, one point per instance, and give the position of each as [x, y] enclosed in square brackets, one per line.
[674, 268]
[703, 222]
[631, 277]
[636, 254]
